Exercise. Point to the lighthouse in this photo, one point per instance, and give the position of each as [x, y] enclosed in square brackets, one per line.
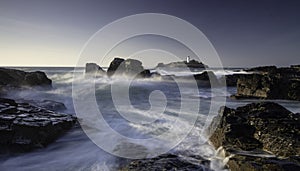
[187, 59]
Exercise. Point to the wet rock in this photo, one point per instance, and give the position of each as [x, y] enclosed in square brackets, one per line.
[93, 69]
[166, 162]
[36, 78]
[46, 104]
[266, 69]
[255, 163]
[129, 67]
[114, 65]
[25, 127]
[270, 83]
[207, 78]
[231, 80]
[258, 127]
[18, 78]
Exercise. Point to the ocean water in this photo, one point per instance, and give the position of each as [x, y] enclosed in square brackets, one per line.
[143, 120]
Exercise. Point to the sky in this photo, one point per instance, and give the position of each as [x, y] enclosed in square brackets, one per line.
[244, 33]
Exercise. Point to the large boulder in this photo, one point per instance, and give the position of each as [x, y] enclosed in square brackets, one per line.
[24, 127]
[92, 68]
[37, 78]
[258, 135]
[129, 67]
[270, 83]
[114, 65]
[18, 78]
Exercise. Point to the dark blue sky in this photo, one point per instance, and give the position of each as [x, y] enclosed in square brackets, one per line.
[256, 32]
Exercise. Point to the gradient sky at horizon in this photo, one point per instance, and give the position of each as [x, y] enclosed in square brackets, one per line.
[245, 34]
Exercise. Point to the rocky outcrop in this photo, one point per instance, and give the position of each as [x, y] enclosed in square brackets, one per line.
[92, 69]
[206, 76]
[129, 67]
[270, 83]
[18, 78]
[24, 127]
[166, 162]
[182, 64]
[260, 136]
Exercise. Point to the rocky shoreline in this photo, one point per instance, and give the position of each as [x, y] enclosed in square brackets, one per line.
[258, 136]
[269, 82]
[29, 124]
[24, 127]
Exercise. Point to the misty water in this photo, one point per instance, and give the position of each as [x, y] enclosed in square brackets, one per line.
[75, 150]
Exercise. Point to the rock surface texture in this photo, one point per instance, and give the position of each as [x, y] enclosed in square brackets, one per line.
[18, 78]
[270, 83]
[168, 162]
[260, 136]
[129, 67]
[92, 68]
[24, 127]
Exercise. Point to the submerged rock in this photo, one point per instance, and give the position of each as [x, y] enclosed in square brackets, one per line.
[129, 67]
[259, 135]
[24, 127]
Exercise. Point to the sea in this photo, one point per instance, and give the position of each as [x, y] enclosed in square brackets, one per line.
[155, 117]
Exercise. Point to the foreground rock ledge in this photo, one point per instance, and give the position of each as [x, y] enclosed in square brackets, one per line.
[168, 161]
[259, 136]
[24, 127]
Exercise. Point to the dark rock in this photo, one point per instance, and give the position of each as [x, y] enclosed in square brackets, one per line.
[24, 127]
[258, 127]
[268, 69]
[272, 83]
[17, 78]
[146, 73]
[37, 78]
[255, 163]
[192, 64]
[231, 80]
[204, 79]
[165, 162]
[129, 67]
[92, 68]
[295, 66]
[46, 104]
[206, 76]
[114, 65]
